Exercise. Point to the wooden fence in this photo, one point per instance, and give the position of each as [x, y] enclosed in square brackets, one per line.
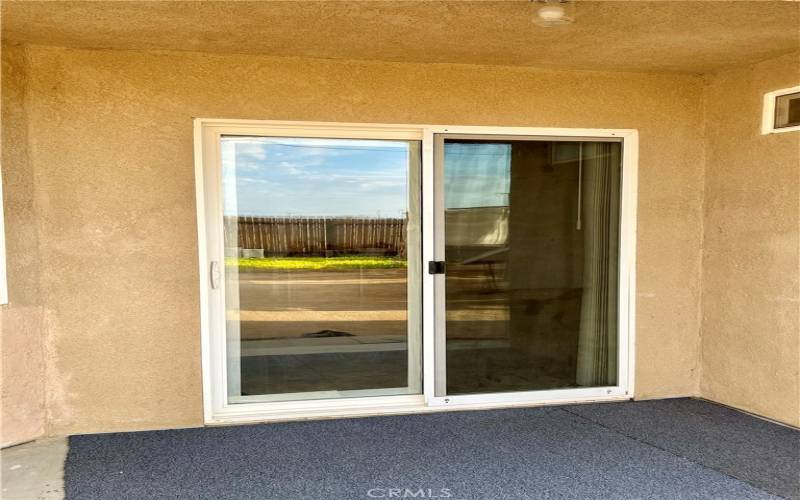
[317, 235]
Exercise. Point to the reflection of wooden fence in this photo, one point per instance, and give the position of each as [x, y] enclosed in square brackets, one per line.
[317, 235]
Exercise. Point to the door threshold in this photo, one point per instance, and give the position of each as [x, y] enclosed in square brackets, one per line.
[388, 406]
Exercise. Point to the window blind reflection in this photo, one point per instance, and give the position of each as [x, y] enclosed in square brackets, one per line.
[532, 251]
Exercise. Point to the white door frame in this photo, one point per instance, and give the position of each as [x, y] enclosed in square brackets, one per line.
[216, 407]
[433, 221]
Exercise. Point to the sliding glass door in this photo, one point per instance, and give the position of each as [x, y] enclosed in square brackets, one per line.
[354, 269]
[529, 233]
[321, 268]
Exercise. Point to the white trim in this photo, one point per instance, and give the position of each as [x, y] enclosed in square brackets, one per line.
[768, 113]
[217, 410]
[414, 270]
[202, 258]
[439, 372]
[229, 295]
[220, 353]
[327, 130]
[376, 406]
[627, 269]
[429, 297]
[627, 265]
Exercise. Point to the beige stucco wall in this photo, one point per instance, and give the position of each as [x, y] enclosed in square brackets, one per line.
[751, 265]
[23, 414]
[111, 156]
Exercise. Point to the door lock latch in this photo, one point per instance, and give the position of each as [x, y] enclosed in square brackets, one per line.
[436, 267]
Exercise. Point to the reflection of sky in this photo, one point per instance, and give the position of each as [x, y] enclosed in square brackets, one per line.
[476, 174]
[273, 176]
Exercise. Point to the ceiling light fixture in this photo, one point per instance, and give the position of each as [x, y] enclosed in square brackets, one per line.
[551, 13]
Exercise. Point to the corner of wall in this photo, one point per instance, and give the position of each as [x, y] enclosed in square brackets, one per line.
[704, 85]
[21, 320]
[750, 291]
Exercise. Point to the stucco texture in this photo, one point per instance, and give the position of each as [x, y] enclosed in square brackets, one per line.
[751, 265]
[110, 151]
[23, 341]
[654, 36]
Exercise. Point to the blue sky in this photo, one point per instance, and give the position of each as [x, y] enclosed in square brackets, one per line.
[314, 177]
[278, 176]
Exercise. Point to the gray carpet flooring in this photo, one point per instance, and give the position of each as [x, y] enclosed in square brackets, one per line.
[656, 449]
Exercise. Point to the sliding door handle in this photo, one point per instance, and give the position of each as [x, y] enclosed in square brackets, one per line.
[214, 274]
[436, 267]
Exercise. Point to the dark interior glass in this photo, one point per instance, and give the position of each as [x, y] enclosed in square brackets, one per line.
[787, 110]
[532, 249]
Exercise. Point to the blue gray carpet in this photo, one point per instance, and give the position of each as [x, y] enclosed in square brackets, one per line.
[657, 449]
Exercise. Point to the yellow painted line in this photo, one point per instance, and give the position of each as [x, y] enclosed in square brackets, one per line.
[290, 282]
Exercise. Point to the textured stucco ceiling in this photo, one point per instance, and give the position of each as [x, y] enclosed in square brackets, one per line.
[688, 36]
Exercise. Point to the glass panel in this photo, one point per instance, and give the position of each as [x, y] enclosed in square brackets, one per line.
[319, 234]
[531, 250]
[787, 110]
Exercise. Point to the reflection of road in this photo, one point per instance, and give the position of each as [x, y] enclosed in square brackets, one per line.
[372, 303]
[349, 290]
[281, 304]
[368, 309]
